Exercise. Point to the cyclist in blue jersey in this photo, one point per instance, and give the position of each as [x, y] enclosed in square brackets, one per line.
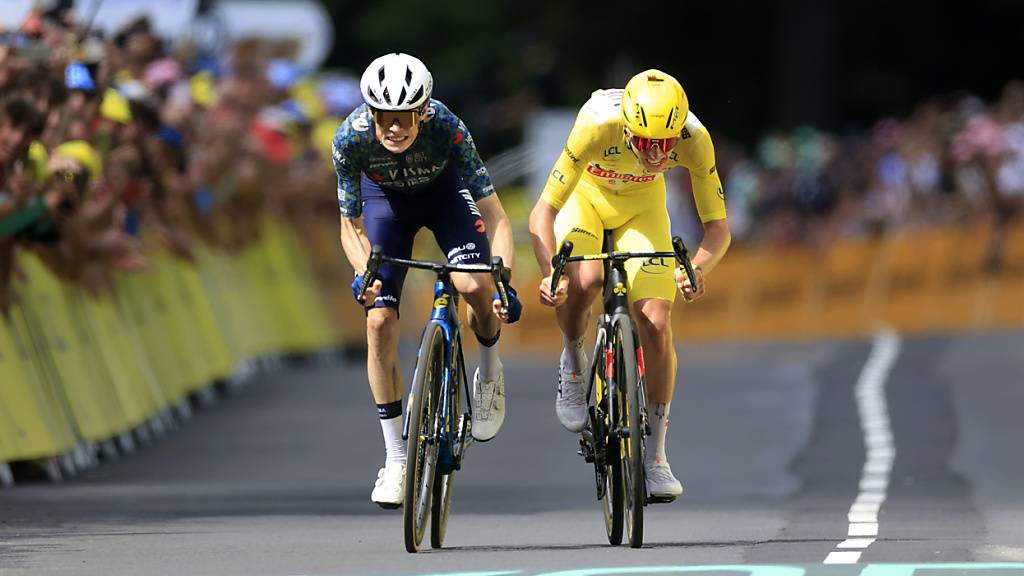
[405, 162]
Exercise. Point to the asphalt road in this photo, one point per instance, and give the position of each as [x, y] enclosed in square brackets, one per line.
[775, 444]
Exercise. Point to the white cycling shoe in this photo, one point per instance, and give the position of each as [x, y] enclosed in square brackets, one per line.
[389, 489]
[488, 405]
[571, 399]
[662, 485]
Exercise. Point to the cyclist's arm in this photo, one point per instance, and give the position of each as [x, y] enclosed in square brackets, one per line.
[714, 244]
[708, 196]
[542, 234]
[355, 242]
[499, 229]
[561, 181]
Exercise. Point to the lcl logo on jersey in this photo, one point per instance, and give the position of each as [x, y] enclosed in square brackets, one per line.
[612, 151]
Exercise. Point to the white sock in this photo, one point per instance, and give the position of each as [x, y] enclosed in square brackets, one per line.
[490, 364]
[572, 354]
[657, 414]
[393, 443]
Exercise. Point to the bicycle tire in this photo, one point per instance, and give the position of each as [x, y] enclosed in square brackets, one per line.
[444, 484]
[421, 457]
[627, 383]
[611, 499]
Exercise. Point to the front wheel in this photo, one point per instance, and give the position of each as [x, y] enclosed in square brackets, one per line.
[444, 484]
[630, 420]
[421, 448]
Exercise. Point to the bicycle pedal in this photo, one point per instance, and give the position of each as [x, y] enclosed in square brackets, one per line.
[660, 499]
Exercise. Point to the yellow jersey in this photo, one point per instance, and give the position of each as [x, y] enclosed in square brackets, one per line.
[596, 153]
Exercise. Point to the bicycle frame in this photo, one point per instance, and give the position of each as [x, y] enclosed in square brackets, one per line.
[445, 313]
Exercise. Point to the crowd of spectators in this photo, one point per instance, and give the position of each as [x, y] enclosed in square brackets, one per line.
[115, 145]
[954, 160]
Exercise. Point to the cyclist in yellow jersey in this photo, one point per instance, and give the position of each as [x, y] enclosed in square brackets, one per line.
[610, 177]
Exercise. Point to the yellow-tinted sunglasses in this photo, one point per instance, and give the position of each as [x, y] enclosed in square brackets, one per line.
[386, 118]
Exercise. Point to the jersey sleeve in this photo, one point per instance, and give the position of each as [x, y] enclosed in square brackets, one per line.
[344, 154]
[468, 163]
[708, 195]
[579, 148]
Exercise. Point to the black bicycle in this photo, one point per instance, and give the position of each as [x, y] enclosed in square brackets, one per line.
[437, 428]
[614, 439]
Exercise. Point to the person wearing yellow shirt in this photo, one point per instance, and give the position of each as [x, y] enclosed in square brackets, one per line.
[610, 176]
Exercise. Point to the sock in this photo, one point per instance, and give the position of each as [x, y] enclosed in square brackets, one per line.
[391, 424]
[572, 354]
[657, 414]
[490, 364]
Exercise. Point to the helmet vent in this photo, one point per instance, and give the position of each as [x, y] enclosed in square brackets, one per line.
[401, 97]
[654, 78]
[408, 75]
[671, 116]
[417, 95]
[643, 117]
[380, 74]
[387, 96]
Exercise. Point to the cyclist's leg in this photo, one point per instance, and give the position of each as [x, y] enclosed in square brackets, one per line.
[385, 227]
[459, 230]
[652, 291]
[579, 222]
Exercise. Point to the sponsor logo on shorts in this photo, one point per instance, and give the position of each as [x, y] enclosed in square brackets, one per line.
[386, 298]
[655, 266]
[465, 256]
[470, 202]
[578, 230]
[466, 246]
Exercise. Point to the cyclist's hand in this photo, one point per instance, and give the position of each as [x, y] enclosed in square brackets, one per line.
[515, 307]
[371, 293]
[560, 294]
[683, 282]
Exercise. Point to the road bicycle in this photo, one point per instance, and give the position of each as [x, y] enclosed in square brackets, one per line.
[437, 428]
[614, 438]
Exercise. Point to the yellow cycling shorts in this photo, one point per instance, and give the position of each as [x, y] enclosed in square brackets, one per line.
[640, 222]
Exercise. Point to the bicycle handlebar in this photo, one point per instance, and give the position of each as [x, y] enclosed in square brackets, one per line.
[679, 252]
[499, 272]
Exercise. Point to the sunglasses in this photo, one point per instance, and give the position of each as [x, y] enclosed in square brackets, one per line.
[405, 118]
[641, 144]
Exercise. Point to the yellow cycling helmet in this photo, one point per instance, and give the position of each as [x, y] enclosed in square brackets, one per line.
[654, 105]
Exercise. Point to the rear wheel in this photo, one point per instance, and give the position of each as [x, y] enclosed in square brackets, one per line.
[630, 418]
[421, 448]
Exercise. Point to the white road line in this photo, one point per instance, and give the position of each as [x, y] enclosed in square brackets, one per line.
[873, 412]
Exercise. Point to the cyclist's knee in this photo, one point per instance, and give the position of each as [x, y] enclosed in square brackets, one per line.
[473, 286]
[381, 322]
[654, 316]
[585, 281]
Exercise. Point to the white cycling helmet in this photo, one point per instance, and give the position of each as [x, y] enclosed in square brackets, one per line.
[396, 81]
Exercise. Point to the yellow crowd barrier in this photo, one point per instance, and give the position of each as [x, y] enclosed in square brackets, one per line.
[952, 278]
[78, 370]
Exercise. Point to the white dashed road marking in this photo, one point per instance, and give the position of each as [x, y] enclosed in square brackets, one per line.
[881, 452]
